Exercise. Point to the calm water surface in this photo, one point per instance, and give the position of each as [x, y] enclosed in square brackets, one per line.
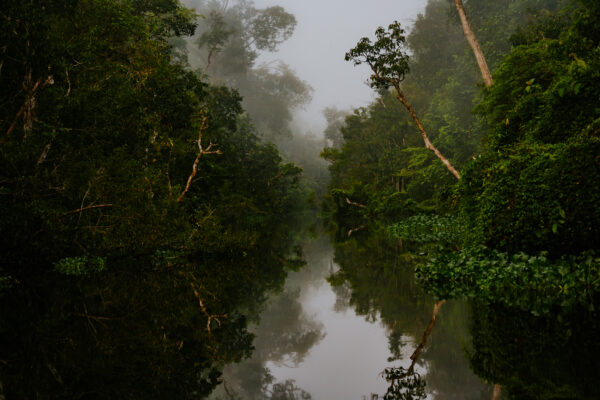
[333, 347]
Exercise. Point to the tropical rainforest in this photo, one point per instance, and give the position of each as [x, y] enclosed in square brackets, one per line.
[155, 195]
[490, 185]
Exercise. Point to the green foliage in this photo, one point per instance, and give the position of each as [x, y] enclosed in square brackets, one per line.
[537, 186]
[424, 228]
[531, 283]
[386, 56]
[79, 266]
[535, 197]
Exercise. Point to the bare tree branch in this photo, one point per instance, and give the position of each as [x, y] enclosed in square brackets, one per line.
[352, 203]
[201, 152]
[351, 231]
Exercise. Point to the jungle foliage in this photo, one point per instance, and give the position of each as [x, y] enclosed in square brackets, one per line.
[527, 147]
[142, 220]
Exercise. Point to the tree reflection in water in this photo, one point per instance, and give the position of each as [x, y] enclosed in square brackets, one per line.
[520, 355]
[380, 277]
[284, 335]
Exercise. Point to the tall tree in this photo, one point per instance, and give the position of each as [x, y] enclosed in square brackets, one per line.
[389, 64]
[472, 39]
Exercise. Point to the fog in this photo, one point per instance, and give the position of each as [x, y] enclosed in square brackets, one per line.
[326, 30]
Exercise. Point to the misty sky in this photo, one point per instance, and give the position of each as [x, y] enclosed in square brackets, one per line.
[326, 30]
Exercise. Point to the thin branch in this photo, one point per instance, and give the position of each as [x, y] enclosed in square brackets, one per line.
[14, 123]
[210, 317]
[68, 82]
[87, 208]
[351, 231]
[94, 317]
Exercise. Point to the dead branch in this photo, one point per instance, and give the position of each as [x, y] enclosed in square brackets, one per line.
[94, 317]
[44, 154]
[68, 82]
[352, 203]
[210, 317]
[351, 231]
[201, 152]
[15, 120]
[54, 373]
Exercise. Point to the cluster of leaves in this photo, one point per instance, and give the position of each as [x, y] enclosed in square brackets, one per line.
[534, 283]
[80, 265]
[386, 56]
[535, 197]
[428, 228]
[404, 385]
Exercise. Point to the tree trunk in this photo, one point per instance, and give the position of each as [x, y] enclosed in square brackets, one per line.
[497, 392]
[483, 67]
[428, 143]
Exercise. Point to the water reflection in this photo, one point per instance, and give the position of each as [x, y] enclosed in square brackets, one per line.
[335, 339]
[355, 311]
[380, 274]
[283, 337]
[555, 356]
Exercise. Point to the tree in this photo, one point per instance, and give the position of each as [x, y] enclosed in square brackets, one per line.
[335, 121]
[229, 40]
[472, 40]
[389, 64]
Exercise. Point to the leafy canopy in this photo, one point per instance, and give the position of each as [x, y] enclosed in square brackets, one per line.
[386, 56]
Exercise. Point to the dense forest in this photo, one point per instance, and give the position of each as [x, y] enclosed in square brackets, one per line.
[527, 146]
[501, 207]
[143, 220]
[157, 201]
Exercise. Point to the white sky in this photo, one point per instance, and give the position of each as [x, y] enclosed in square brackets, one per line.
[326, 30]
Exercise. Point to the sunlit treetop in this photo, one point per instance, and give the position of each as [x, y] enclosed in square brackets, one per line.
[386, 56]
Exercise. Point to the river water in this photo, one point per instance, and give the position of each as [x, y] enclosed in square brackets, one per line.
[332, 338]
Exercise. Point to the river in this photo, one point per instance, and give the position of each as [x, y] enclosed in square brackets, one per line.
[334, 337]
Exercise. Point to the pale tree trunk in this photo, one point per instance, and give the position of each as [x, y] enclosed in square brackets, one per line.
[497, 392]
[483, 67]
[428, 144]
